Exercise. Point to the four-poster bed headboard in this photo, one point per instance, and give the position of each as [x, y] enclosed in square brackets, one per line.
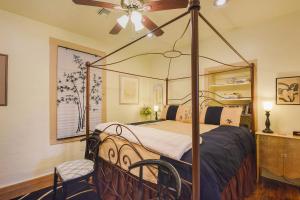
[194, 13]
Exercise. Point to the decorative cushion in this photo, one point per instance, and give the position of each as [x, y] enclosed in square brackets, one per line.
[184, 113]
[172, 111]
[213, 115]
[74, 169]
[164, 111]
[231, 116]
[202, 114]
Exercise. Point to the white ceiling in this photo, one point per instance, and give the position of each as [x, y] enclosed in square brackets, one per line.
[85, 20]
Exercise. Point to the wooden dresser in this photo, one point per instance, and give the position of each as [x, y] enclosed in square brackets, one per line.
[279, 155]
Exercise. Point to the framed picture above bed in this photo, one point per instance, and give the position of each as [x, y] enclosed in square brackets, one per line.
[287, 90]
[129, 90]
[3, 79]
[68, 75]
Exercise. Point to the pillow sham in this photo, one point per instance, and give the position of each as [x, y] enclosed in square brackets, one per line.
[213, 115]
[164, 111]
[171, 113]
[231, 116]
[202, 114]
[184, 113]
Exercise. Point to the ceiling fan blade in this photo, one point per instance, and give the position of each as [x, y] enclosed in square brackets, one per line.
[116, 29]
[97, 4]
[165, 5]
[150, 25]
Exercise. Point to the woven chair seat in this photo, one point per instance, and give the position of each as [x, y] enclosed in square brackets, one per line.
[74, 169]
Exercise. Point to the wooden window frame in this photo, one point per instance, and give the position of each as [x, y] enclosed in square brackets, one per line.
[54, 44]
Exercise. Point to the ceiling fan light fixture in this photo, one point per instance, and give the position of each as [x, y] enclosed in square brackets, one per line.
[138, 26]
[150, 35]
[219, 3]
[123, 21]
[136, 17]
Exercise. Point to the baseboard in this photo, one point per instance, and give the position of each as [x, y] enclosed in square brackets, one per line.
[25, 187]
[270, 176]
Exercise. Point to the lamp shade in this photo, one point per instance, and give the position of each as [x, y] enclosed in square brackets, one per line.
[268, 105]
[156, 108]
[220, 2]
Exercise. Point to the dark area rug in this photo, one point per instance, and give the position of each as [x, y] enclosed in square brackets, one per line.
[77, 191]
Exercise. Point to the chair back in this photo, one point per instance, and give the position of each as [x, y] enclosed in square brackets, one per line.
[92, 147]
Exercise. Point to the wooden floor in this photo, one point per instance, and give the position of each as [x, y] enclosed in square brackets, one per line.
[271, 190]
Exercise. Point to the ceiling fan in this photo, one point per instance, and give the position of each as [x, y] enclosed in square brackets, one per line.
[133, 11]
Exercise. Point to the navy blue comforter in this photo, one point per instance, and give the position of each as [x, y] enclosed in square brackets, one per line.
[222, 153]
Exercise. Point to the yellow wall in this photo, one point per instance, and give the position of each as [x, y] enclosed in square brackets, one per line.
[128, 113]
[24, 135]
[24, 124]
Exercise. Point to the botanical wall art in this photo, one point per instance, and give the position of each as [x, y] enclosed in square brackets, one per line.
[287, 89]
[129, 90]
[69, 112]
[3, 79]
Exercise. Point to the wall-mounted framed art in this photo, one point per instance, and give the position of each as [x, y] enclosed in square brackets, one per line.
[3, 79]
[129, 90]
[287, 90]
[68, 91]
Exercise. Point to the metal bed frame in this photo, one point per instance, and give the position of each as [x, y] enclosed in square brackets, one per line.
[196, 95]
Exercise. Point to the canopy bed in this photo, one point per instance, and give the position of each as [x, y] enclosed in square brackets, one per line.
[226, 149]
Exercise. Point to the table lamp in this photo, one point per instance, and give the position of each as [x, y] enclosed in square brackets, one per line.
[268, 107]
[156, 108]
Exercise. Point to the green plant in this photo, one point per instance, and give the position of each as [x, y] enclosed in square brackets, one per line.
[146, 111]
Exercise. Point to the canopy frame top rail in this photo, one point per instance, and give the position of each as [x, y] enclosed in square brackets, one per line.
[194, 11]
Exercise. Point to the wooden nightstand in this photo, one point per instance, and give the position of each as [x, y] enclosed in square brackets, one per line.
[278, 154]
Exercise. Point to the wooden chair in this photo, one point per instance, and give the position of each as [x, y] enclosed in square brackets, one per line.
[77, 170]
[169, 182]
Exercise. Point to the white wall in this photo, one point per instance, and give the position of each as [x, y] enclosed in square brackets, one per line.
[275, 45]
[25, 152]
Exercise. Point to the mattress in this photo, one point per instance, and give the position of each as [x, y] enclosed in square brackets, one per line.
[179, 127]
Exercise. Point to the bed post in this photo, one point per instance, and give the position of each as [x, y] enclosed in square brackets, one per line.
[194, 10]
[167, 91]
[253, 123]
[87, 104]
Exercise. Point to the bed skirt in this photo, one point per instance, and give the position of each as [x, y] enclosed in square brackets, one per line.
[243, 183]
[116, 184]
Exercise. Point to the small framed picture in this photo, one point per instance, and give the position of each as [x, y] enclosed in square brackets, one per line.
[129, 90]
[3, 79]
[287, 90]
